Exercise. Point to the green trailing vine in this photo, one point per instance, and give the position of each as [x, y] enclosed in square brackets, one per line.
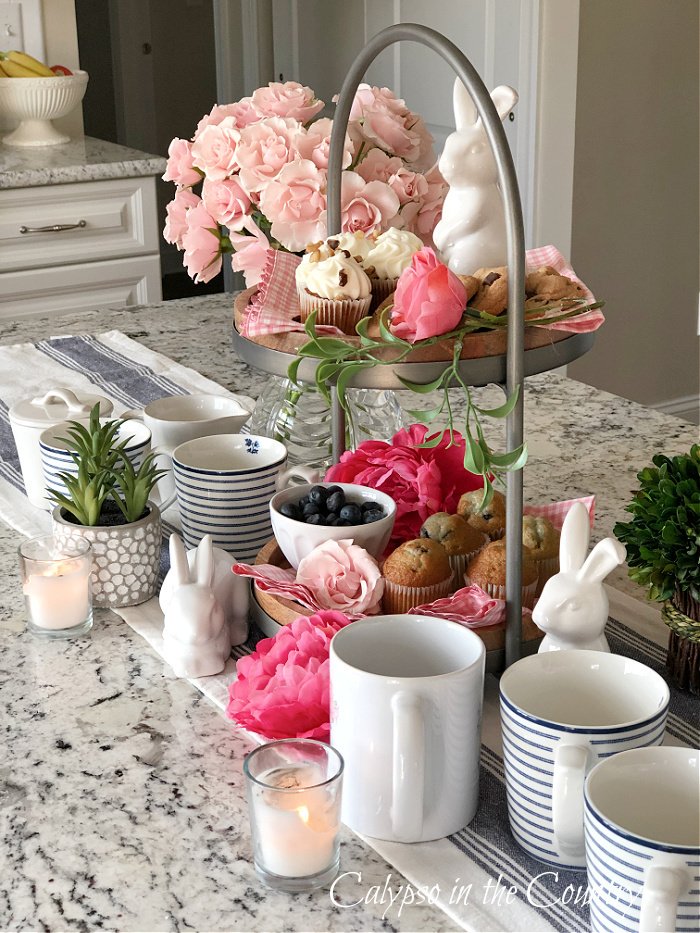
[340, 362]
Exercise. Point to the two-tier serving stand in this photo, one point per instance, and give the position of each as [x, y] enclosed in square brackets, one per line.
[509, 370]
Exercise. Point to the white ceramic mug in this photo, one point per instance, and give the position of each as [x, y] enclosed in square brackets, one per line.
[224, 485]
[174, 419]
[642, 820]
[561, 713]
[406, 698]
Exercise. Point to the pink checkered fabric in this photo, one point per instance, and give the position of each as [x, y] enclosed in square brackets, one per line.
[556, 511]
[550, 256]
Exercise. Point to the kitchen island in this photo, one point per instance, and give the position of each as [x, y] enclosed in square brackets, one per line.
[121, 792]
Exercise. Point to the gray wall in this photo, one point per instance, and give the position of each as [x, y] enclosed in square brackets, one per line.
[635, 238]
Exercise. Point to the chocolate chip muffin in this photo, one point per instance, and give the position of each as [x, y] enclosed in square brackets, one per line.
[491, 519]
[488, 570]
[416, 572]
[542, 538]
[460, 540]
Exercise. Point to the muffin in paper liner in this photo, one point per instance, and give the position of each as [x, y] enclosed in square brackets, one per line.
[401, 599]
[381, 289]
[546, 568]
[459, 562]
[498, 591]
[344, 313]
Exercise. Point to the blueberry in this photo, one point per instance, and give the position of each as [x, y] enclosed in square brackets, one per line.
[342, 523]
[335, 501]
[331, 489]
[290, 510]
[303, 502]
[318, 494]
[311, 509]
[351, 513]
[331, 517]
[369, 506]
[372, 516]
[315, 519]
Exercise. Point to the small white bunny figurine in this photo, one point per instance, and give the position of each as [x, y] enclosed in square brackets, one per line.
[232, 592]
[196, 639]
[573, 607]
[472, 231]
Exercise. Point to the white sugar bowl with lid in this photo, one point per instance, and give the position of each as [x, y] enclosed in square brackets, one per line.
[31, 416]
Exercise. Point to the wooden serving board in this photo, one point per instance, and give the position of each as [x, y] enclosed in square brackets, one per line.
[474, 346]
[284, 611]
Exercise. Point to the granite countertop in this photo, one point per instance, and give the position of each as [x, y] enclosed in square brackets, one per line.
[83, 159]
[121, 795]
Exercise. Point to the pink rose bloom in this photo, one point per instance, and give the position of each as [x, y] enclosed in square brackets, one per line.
[295, 203]
[282, 690]
[315, 143]
[214, 149]
[264, 149]
[429, 299]
[226, 201]
[366, 206]
[408, 185]
[431, 209]
[180, 166]
[250, 253]
[378, 166]
[385, 121]
[175, 215]
[342, 576]
[243, 112]
[421, 480]
[201, 244]
[290, 99]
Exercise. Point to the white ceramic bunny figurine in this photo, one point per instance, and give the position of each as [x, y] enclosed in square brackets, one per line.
[196, 639]
[232, 592]
[573, 607]
[472, 231]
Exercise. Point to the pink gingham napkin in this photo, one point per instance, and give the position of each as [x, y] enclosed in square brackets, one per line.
[275, 304]
[582, 323]
[556, 511]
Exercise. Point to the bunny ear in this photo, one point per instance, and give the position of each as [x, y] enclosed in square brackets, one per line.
[504, 98]
[204, 561]
[178, 560]
[464, 107]
[575, 534]
[604, 557]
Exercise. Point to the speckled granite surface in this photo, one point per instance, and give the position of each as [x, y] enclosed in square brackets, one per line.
[84, 159]
[121, 793]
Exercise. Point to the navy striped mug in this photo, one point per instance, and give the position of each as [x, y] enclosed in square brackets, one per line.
[561, 713]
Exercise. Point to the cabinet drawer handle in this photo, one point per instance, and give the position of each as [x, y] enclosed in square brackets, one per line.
[53, 228]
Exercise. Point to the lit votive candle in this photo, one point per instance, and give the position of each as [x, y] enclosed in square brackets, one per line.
[294, 789]
[56, 586]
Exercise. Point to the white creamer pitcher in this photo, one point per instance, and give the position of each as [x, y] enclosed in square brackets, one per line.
[31, 416]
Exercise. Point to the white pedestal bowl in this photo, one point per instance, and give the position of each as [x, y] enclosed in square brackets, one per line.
[35, 102]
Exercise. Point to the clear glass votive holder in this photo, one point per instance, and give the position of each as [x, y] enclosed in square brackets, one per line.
[294, 793]
[56, 585]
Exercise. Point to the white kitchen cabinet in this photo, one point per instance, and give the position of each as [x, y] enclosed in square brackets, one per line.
[79, 246]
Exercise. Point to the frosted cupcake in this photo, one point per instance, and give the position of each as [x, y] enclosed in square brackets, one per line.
[488, 570]
[356, 243]
[416, 572]
[336, 287]
[387, 259]
[460, 541]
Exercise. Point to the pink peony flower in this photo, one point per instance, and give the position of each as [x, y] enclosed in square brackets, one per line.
[243, 112]
[180, 168]
[420, 480]
[250, 252]
[316, 141]
[214, 149]
[201, 244]
[295, 202]
[342, 576]
[283, 688]
[366, 206]
[226, 201]
[264, 149]
[176, 215]
[290, 99]
[429, 299]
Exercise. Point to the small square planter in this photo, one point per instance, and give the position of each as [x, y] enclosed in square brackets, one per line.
[126, 558]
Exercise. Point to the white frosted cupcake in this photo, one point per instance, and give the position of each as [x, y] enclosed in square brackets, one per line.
[336, 287]
[387, 259]
[357, 244]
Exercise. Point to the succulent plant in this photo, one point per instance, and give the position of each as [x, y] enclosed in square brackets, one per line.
[105, 474]
[663, 537]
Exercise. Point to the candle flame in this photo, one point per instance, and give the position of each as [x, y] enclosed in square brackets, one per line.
[303, 814]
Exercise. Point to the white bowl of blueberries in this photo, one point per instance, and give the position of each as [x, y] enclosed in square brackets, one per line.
[305, 516]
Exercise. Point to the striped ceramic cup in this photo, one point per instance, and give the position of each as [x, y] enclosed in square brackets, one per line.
[224, 485]
[561, 713]
[642, 820]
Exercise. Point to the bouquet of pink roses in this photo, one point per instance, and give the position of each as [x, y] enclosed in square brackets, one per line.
[259, 166]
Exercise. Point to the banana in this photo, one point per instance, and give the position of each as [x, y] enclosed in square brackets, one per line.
[3, 73]
[20, 65]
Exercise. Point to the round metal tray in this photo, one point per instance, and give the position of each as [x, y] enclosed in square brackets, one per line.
[475, 372]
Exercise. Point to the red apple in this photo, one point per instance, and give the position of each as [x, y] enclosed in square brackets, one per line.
[61, 70]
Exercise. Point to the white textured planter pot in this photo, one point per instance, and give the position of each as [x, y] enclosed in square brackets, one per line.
[125, 557]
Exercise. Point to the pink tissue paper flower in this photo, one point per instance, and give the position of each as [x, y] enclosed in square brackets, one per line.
[342, 576]
[420, 480]
[429, 299]
[176, 215]
[214, 149]
[282, 689]
[201, 244]
[289, 99]
[180, 165]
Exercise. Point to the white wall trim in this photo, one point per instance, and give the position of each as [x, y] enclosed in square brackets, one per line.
[684, 406]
